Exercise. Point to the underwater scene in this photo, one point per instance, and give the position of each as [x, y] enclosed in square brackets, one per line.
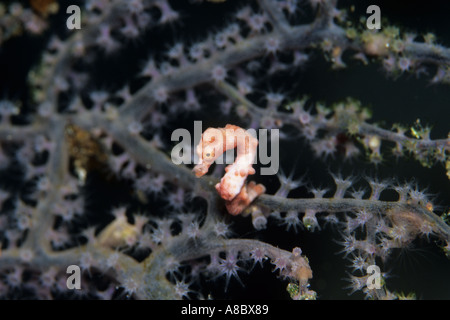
[224, 149]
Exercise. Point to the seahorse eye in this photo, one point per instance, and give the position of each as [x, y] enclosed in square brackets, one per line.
[208, 153]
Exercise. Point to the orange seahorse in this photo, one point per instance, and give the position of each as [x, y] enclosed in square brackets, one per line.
[232, 188]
